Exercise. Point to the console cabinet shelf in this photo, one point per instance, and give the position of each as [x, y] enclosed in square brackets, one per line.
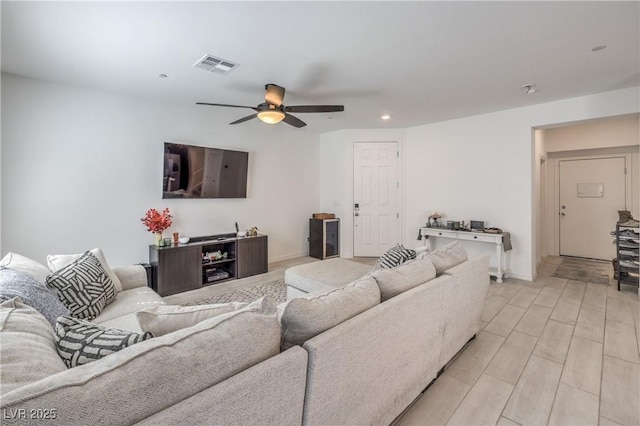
[187, 267]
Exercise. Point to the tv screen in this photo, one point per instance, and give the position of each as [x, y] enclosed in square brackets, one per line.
[201, 172]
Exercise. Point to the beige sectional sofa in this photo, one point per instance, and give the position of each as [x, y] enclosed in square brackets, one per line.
[225, 370]
[368, 369]
[231, 369]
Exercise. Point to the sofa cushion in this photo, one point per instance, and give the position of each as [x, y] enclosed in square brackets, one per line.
[406, 276]
[136, 382]
[44, 300]
[324, 275]
[131, 276]
[129, 302]
[28, 349]
[59, 261]
[446, 257]
[36, 270]
[393, 257]
[161, 320]
[80, 342]
[304, 318]
[83, 286]
[127, 322]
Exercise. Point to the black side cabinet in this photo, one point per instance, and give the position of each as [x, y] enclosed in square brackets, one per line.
[324, 238]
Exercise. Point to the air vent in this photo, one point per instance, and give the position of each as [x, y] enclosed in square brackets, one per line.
[215, 64]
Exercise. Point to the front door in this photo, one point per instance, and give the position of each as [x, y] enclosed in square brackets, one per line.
[375, 195]
[591, 193]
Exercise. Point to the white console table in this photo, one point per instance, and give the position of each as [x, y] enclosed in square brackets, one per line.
[470, 236]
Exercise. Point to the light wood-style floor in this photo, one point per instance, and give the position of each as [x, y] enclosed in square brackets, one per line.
[552, 351]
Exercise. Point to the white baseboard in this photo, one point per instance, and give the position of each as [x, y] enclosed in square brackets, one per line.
[287, 257]
[520, 276]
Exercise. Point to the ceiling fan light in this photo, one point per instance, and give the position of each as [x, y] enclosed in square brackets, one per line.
[271, 116]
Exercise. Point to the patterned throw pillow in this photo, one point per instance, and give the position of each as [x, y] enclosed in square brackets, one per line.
[83, 286]
[79, 342]
[395, 256]
[44, 300]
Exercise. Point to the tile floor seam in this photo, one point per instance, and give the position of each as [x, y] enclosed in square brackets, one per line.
[573, 334]
[517, 381]
[613, 356]
[461, 399]
[555, 395]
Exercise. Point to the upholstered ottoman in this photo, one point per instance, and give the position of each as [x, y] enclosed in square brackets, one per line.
[322, 276]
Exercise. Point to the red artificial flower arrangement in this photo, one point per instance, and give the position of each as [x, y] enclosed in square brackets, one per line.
[157, 222]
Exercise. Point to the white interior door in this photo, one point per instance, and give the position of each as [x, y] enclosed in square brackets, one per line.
[375, 195]
[591, 193]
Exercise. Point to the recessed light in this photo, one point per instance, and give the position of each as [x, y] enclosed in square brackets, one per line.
[162, 75]
[385, 117]
[598, 48]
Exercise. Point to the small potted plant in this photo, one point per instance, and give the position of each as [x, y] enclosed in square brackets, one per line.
[157, 222]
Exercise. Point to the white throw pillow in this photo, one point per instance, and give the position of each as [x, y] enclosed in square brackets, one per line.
[34, 269]
[28, 349]
[59, 261]
[161, 320]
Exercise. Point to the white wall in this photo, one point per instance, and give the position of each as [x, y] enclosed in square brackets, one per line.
[336, 157]
[594, 134]
[479, 167]
[539, 187]
[80, 168]
[612, 136]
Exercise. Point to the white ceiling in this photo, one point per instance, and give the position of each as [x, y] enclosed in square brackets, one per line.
[421, 62]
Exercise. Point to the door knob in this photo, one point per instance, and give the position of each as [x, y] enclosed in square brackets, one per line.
[357, 214]
[563, 214]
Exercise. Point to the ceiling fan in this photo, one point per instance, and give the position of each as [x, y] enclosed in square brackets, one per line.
[273, 111]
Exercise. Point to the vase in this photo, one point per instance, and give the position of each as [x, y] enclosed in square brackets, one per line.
[158, 238]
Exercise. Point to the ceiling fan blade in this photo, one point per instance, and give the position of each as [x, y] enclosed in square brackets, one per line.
[227, 105]
[274, 95]
[294, 121]
[314, 108]
[247, 118]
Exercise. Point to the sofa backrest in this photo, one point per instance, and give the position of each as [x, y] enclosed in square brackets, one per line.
[268, 394]
[393, 281]
[305, 317]
[369, 368]
[464, 304]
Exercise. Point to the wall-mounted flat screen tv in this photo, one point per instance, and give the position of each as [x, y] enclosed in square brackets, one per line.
[201, 172]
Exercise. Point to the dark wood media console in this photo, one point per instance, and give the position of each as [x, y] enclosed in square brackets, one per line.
[185, 267]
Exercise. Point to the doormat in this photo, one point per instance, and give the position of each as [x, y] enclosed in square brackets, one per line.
[593, 271]
[276, 289]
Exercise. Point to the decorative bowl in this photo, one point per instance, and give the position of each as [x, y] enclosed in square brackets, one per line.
[184, 240]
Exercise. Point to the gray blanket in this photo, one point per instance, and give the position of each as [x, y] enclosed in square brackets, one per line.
[506, 241]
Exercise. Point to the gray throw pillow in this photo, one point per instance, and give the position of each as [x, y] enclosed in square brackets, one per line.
[83, 286]
[44, 300]
[80, 342]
